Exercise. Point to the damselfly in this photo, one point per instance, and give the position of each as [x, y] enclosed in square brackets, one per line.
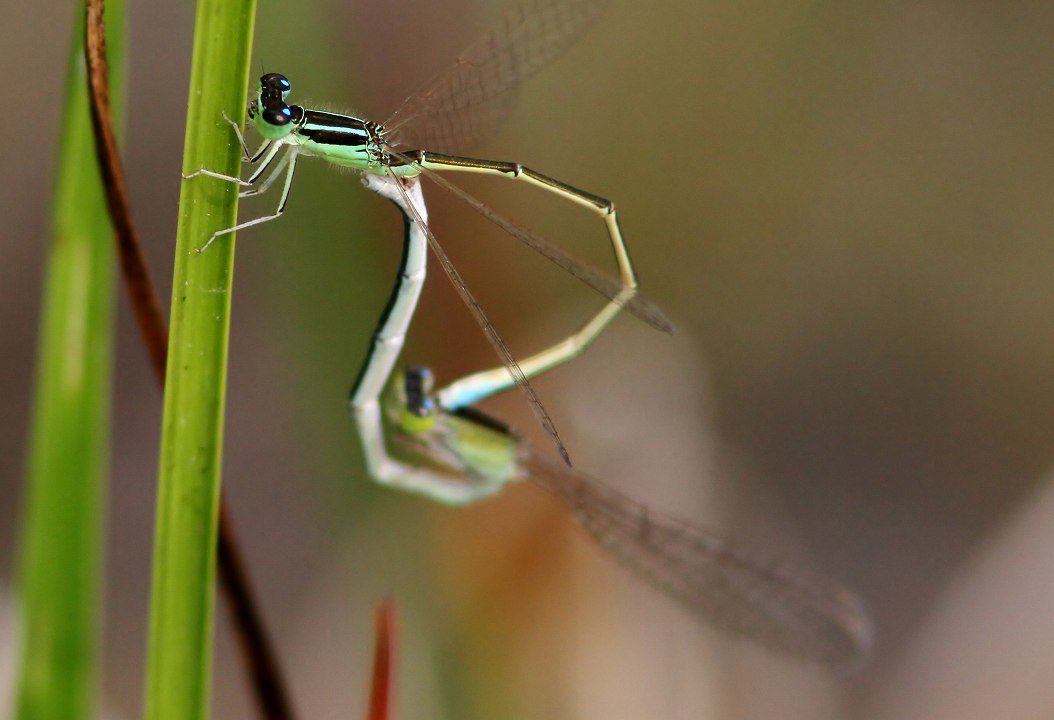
[450, 110]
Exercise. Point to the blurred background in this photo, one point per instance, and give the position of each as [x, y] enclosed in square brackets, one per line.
[844, 207]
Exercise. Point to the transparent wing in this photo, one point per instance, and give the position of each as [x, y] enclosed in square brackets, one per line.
[775, 603]
[468, 101]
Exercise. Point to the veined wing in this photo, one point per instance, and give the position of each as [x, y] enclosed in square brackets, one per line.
[470, 99]
[776, 603]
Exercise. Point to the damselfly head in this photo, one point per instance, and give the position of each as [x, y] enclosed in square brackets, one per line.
[274, 119]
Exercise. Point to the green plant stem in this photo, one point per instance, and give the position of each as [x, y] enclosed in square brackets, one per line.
[181, 609]
[61, 543]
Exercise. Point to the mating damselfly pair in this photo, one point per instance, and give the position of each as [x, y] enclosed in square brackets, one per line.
[455, 453]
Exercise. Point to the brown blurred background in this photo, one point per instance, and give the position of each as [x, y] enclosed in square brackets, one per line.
[846, 209]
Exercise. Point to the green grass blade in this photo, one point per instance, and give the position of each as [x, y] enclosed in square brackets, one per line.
[61, 544]
[181, 606]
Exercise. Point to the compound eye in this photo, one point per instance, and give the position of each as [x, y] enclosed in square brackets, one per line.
[277, 116]
[275, 82]
[425, 408]
[418, 386]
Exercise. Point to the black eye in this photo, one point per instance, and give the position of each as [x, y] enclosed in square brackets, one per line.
[422, 409]
[418, 383]
[275, 83]
[277, 116]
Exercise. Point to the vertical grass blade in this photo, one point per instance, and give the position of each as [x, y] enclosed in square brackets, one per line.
[60, 558]
[181, 604]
